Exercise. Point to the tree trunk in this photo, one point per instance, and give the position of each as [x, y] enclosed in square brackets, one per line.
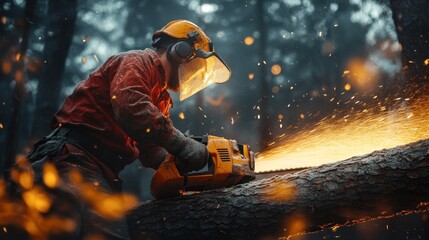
[378, 184]
[19, 89]
[412, 26]
[58, 39]
[264, 92]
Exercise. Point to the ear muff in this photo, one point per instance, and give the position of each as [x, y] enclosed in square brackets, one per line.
[180, 52]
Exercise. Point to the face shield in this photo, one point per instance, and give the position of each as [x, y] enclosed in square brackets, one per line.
[203, 70]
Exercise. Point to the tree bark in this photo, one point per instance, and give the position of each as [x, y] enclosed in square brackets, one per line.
[412, 26]
[58, 39]
[378, 184]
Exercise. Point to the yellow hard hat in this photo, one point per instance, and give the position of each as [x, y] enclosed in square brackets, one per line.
[181, 29]
[192, 51]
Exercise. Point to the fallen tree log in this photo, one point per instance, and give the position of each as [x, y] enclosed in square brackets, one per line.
[378, 184]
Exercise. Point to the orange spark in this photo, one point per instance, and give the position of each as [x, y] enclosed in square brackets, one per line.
[18, 56]
[182, 115]
[333, 139]
[38, 200]
[276, 69]
[251, 76]
[347, 87]
[50, 175]
[249, 40]
[2, 188]
[6, 67]
[362, 74]
[19, 77]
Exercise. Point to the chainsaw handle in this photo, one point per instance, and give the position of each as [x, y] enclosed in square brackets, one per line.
[202, 139]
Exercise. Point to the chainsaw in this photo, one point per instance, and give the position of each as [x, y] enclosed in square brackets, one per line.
[230, 164]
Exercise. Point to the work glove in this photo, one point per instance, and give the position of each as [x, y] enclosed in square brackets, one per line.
[192, 155]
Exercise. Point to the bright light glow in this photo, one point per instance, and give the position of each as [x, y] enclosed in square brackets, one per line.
[334, 139]
[362, 74]
[50, 175]
[6, 67]
[208, 8]
[251, 76]
[249, 40]
[347, 87]
[36, 199]
[182, 115]
[276, 69]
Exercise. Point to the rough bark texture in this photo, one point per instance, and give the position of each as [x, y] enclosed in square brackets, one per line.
[381, 183]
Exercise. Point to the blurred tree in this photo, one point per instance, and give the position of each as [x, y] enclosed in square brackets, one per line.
[62, 16]
[412, 26]
[264, 92]
[19, 77]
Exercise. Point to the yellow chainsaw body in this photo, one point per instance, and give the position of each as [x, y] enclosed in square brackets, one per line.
[231, 163]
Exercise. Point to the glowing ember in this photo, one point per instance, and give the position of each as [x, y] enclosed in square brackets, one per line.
[50, 175]
[276, 69]
[347, 87]
[334, 139]
[251, 76]
[6, 67]
[36, 199]
[182, 115]
[19, 77]
[363, 74]
[249, 40]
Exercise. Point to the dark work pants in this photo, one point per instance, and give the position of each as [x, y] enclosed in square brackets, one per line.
[89, 222]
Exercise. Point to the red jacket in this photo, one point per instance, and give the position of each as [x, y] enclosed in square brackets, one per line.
[126, 104]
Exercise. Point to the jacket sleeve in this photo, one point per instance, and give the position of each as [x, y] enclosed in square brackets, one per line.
[152, 156]
[132, 105]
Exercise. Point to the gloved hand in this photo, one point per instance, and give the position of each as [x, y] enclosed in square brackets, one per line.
[192, 154]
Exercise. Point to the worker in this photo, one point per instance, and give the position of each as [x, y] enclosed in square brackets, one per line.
[121, 113]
